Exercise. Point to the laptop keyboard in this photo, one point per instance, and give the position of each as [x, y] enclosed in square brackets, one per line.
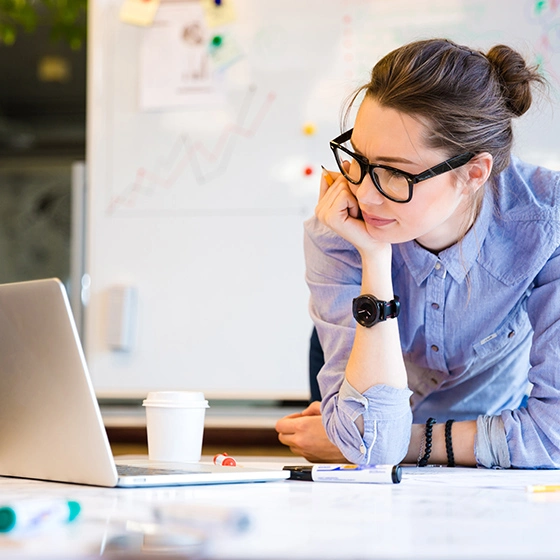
[131, 470]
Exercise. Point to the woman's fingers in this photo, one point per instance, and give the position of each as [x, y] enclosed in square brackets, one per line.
[306, 436]
[337, 204]
[328, 179]
[314, 409]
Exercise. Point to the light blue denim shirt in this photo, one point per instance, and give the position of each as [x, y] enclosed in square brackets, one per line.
[479, 328]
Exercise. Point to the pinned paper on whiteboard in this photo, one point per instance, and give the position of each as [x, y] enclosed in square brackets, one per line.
[176, 69]
[218, 13]
[139, 12]
[224, 51]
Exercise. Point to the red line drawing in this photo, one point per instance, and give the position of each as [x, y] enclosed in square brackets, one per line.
[186, 153]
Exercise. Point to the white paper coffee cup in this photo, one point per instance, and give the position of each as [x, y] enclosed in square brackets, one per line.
[175, 425]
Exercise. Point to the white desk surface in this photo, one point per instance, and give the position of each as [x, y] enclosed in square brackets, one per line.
[435, 513]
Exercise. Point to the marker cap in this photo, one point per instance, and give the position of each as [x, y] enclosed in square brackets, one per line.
[74, 510]
[7, 519]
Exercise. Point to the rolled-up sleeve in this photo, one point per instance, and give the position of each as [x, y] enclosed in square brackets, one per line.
[533, 433]
[490, 444]
[369, 428]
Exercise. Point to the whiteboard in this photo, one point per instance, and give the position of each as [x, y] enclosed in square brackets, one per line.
[198, 204]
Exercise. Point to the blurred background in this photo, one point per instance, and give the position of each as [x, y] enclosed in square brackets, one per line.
[42, 133]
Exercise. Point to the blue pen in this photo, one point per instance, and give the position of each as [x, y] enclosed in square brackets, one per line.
[26, 515]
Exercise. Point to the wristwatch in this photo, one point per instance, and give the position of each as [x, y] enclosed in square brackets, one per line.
[368, 310]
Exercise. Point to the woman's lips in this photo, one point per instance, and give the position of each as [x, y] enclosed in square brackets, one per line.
[376, 220]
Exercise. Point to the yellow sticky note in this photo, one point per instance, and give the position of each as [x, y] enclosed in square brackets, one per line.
[139, 12]
[224, 51]
[218, 13]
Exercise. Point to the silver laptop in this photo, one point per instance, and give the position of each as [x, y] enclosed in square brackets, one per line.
[50, 423]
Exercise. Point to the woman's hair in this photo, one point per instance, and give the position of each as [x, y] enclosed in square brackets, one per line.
[467, 98]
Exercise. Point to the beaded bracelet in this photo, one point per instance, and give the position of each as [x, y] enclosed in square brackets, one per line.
[428, 448]
[449, 443]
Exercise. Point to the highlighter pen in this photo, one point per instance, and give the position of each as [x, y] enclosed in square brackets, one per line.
[543, 488]
[328, 177]
[376, 474]
[28, 515]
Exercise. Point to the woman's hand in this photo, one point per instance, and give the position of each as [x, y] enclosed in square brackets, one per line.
[339, 210]
[305, 435]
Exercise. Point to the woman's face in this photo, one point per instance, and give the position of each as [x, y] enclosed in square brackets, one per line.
[436, 216]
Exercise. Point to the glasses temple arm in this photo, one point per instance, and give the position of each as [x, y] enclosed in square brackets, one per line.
[448, 165]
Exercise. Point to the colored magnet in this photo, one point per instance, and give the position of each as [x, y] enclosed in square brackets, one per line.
[309, 129]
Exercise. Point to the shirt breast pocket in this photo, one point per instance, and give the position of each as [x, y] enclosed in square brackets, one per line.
[509, 333]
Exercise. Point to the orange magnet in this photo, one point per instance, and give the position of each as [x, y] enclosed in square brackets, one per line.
[309, 129]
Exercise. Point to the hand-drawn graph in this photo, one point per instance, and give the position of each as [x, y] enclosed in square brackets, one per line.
[206, 163]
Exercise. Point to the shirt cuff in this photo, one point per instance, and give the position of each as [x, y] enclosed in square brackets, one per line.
[354, 402]
[380, 401]
[380, 421]
[490, 444]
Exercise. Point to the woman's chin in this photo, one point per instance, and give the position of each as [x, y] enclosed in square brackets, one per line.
[387, 235]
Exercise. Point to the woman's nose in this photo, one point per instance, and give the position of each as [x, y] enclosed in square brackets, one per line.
[367, 192]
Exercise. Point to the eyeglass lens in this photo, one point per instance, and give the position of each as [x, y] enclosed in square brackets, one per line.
[389, 181]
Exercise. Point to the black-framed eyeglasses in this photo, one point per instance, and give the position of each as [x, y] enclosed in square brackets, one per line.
[392, 183]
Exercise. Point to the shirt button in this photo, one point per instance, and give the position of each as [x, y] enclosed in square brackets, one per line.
[362, 449]
[435, 305]
[437, 266]
[434, 348]
[511, 334]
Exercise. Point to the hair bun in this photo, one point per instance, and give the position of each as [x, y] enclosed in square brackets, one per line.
[515, 76]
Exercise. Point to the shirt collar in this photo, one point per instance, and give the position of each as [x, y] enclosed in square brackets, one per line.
[457, 259]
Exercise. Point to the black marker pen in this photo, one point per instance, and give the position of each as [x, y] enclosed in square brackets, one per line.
[376, 474]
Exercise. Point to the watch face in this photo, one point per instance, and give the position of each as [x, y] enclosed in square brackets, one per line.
[366, 310]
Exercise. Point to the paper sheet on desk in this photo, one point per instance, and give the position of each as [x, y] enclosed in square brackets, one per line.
[477, 477]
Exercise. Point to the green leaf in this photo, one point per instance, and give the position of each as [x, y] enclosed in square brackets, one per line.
[66, 19]
[8, 34]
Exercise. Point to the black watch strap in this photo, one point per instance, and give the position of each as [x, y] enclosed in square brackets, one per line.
[391, 308]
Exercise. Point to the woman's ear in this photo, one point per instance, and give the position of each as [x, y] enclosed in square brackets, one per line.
[478, 171]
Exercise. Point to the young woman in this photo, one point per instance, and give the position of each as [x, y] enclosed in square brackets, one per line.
[433, 262]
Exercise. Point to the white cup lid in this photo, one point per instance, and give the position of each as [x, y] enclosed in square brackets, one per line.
[176, 399]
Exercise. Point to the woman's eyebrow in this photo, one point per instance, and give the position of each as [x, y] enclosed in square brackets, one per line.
[389, 159]
[384, 159]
